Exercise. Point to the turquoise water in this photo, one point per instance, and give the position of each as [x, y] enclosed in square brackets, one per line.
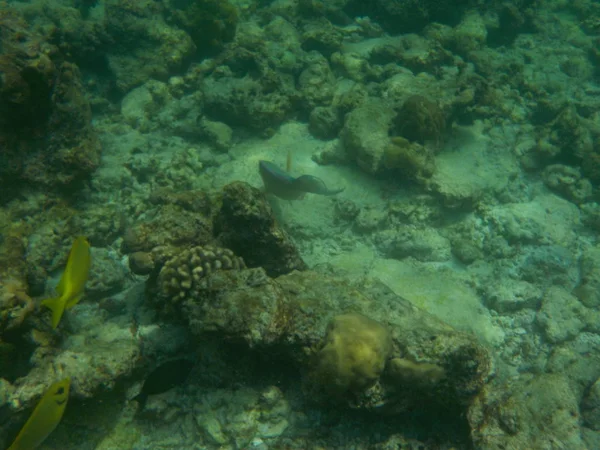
[309, 224]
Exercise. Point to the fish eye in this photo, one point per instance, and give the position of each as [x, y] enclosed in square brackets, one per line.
[61, 390]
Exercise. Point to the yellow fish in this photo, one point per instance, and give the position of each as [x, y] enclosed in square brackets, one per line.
[71, 285]
[44, 418]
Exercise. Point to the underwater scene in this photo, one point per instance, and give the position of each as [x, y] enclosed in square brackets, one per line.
[300, 224]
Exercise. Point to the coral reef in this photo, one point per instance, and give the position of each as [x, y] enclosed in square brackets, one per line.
[210, 23]
[466, 137]
[143, 45]
[347, 358]
[246, 225]
[187, 275]
[45, 131]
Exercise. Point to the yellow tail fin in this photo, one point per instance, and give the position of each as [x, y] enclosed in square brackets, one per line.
[57, 306]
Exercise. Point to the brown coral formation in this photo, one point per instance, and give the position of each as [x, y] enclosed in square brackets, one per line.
[246, 225]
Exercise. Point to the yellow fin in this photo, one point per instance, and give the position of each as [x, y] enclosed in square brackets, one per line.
[60, 288]
[44, 418]
[78, 267]
[73, 301]
[57, 306]
[72, 282]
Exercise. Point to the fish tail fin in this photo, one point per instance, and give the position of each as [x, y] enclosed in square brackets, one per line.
[57, 306]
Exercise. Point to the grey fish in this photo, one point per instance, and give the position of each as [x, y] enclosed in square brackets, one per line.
[281, 184]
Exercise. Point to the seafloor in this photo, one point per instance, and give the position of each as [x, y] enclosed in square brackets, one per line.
[447, 298]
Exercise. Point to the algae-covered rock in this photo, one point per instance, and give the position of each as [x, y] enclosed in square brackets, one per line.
[180, 219]
[246, 225]
[365, 134]
[410, 159]
[521, 412]
[561, 315]
[293, 313]
[144, 45]
[568, 182]
[210, 23]
[45, 119]
[591, 407]
[421, 120]
[423, 244]
[588, 290]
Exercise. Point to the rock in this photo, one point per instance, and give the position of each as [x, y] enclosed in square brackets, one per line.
[218, 134]
[588, 291]
[45, 116]
[324, 122]
[591, 407]
[568, 182]
[561, 315]
[141, 263]
[470, 34]
[423, 244]
[365, 134]
[506, 297]
[521, 408]
[246, 225]
[144, 46]
[316, 82]
[171, 225]
[293, 312]
[107, 274]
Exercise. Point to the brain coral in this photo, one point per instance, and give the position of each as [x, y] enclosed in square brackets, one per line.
[353, 353]
[185, 274]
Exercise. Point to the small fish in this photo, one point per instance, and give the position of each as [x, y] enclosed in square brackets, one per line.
[72, 283]
[281, 184]
[166, 376]
[44, 418]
